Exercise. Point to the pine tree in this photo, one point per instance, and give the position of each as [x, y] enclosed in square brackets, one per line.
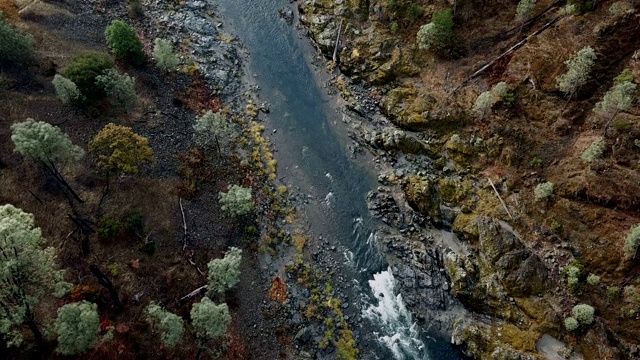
[124, 43]
[67, 90]
[48, 145]
[214, 130]
[27, 274]
[15, 47]
[619, 98]
[170, 326]
[210, 320]
[224, 273]
[579, 69]
[438, 34]
[77, 326]
[121, 89]
[237, 201]
[164, 56]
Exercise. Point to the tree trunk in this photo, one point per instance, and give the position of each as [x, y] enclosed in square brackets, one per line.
[104, 281]
[56, 174]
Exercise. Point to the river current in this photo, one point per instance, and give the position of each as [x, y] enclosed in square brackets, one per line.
[312, 156]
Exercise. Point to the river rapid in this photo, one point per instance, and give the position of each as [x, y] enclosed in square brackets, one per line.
[313, 159]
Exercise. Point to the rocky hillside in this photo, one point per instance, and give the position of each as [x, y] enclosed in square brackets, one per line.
[516, 126]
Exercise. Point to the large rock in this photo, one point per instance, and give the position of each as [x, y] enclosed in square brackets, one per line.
[423, 197]
[521, 272]
[494, 341]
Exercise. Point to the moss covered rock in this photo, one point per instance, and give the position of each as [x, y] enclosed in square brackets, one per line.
[422, 196]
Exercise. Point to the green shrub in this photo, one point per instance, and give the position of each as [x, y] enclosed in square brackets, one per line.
[483, 103]
[237, 201]
[124, 43]
[135, 222]
[544, 190]
[109, 228]
[613, 292]
[121, 89]
[570, 323]
[164, 56]
[632, 242]
[524, 8]
[581, 6]
[593, 279]
[415, 11]
[575, 273]
[210, 320]
[437, 35]
[583, 313]
[594, 152]
[135, 9]
[15, 47]
[83, 71]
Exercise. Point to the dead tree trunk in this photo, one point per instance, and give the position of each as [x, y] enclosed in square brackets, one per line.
[105, 282]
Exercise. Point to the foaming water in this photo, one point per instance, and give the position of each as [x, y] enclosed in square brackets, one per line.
[397, 331]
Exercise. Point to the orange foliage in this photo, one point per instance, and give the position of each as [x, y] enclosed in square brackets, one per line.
[278, 291]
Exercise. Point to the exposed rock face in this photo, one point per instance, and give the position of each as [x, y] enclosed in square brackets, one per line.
[518, 270]
[393, 139]
[490, 341]
[503, 268]
[423, 197]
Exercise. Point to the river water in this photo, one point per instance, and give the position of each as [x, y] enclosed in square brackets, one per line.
[312, 156]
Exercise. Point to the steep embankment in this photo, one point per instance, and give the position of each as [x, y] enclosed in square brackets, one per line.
[474, 168]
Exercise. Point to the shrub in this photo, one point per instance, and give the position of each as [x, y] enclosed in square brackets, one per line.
[544, 190]
[170, 326]
[121, 89]
[583, 313]
[621, 8]
[632, 242]
[579, 69]
[15, 47]
[581, 6]
[83, 71]
[237, 201]
[210, 320]
[613, 292]
[67, 90]
[483, 103]
[135, 222]
[524, 8]
[108, 228]
[438, 34]
[78, 326]
[224, 273]
[124, 43]
[163, 55]
[594, 152]
[135, 9]
[593, 279]
[570, 323]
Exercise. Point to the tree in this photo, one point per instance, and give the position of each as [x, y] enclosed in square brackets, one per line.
[579, 69]
[619, 98]
[27, 274]
[15, 47]
[48, 145]
[210, 320]
[236, 201]
[571, 323]
[224, 273]
[83, 71]
[632, 242]
[170, 325]
[438, 34]
[121, 89]
[124, 43]
[214, 129]
[67, 90]
[118, 148]
[78, 326]
[164, 56]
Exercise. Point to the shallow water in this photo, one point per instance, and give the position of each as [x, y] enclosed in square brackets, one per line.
[312, 155]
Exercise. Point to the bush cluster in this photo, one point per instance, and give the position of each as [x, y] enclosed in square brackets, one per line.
[83, 71]
[437, 35]
[16, 48]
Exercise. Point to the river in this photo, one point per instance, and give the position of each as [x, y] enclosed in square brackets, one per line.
[312, 156]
